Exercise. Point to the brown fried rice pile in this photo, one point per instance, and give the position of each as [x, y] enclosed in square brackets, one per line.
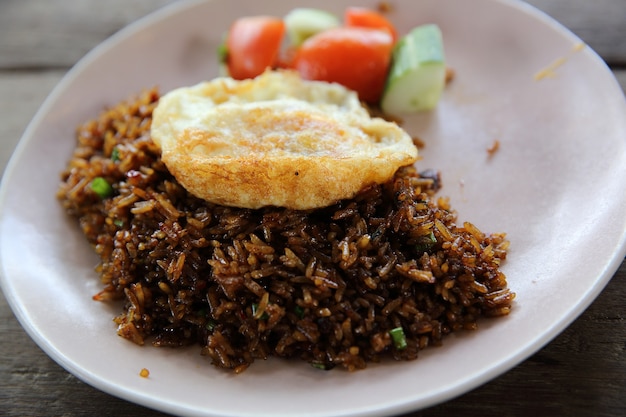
[385, 274]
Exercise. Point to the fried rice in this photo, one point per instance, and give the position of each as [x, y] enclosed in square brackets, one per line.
[383, 275]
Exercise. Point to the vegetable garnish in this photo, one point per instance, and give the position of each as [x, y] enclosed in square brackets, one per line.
[299, 312]
[101, 187]
[418, 72]
[259, 315]
[364, 53]
[366, 18]
[210, 325]
[357, 58]
[398, 337]
[426, 243]
[302, 23]
[253, 45]
[222, 53]
[115, 154]
[319, 365]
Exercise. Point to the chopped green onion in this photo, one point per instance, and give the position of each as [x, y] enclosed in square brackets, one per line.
[118, 222]
[398, 337]
[210, 325]
[101, 187]
[425, 243]
[264, 316]
[299, 311]
[319, 365]
[115, 154]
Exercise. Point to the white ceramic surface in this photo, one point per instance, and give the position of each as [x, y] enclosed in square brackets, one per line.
[556, 186]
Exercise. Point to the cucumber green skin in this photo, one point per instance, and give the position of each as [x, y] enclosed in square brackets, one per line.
[417, 75]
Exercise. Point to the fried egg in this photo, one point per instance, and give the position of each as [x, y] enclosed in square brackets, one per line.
[275, 140]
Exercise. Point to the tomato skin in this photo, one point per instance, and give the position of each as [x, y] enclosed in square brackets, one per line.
[357, 58]
[367, 18]
[253, 45]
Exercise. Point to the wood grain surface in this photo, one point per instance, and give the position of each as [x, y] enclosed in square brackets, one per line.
[582, 372]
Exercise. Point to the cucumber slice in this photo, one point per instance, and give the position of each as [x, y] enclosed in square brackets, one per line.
[302, 23]
[418, 71]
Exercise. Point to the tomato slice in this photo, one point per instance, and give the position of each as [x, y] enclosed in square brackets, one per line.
[253, 45]
[367, 18]
[357, 58]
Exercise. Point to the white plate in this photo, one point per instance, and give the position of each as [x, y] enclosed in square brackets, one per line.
[556, 186]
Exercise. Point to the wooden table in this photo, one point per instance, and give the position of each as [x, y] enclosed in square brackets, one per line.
[580, 373]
